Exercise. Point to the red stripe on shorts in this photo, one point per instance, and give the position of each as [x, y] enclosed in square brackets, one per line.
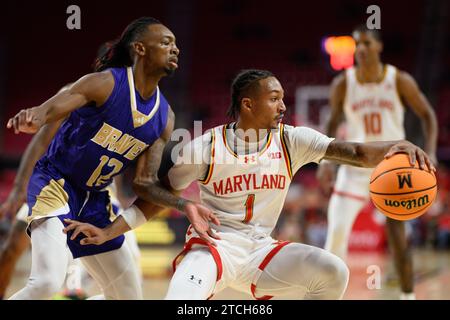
[263, 265]
[212, 249]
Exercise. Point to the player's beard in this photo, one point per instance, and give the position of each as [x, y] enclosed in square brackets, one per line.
[169, 72]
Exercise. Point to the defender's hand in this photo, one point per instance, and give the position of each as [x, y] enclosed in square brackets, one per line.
[93, 234]
[200, 216]
[27, 120]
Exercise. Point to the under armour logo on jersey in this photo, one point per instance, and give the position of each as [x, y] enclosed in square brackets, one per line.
[249, 159]
[140, 120]
[195, 280]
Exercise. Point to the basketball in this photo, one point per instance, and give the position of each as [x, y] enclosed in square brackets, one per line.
[401, 191]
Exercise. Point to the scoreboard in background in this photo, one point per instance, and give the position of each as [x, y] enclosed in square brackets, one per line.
[341, 51]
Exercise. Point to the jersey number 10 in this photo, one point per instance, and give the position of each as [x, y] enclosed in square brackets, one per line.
[372, 123]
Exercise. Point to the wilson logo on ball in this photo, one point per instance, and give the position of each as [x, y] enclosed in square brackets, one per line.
[400, 190]
[407, 204]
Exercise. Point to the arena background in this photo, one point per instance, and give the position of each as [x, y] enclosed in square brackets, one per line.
[39, 55]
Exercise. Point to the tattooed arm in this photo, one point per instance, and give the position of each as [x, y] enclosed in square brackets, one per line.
[154, 194]
[146, 184]
[371, 153]
[153, 197]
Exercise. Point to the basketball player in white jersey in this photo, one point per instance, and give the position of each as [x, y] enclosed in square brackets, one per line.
[370, 97]
[244, 170]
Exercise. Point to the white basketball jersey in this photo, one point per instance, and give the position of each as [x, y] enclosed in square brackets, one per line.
[373, 111]
[247, 192]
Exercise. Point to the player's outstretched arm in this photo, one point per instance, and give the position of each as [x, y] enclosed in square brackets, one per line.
[94, 87]
[371, 153]
[35, 149]
[198, 215]
[140, 212]
[153, 197]
[154, 194]
[95, 235]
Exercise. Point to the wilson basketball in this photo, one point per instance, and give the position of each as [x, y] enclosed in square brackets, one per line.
[401, 191]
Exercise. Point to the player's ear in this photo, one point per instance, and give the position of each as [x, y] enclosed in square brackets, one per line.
[139, 48]
[246, 103]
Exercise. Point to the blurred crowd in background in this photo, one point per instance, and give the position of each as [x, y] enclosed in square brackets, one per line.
[219, 38]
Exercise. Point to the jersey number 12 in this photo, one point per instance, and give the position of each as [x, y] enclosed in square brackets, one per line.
[96, 178]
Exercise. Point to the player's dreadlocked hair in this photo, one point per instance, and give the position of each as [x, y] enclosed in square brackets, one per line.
[117, 53]
[242, 84]
[362, 28]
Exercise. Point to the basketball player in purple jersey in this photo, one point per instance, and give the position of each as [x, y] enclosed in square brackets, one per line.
[18, 241]
[115, 116]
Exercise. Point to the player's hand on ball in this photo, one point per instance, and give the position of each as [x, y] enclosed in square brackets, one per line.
[200, 216]
[27, 120]
[414, 153]
[93, 234]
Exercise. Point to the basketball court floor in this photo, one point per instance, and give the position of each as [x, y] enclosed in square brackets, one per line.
[432, 275]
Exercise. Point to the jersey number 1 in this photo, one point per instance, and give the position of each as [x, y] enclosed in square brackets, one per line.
[372, 123]
[249, 208]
